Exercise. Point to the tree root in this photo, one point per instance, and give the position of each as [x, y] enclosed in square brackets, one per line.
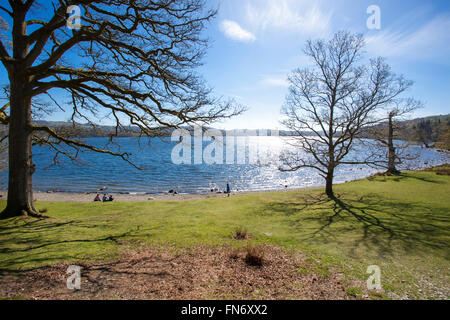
[27, 212]
[392, 173]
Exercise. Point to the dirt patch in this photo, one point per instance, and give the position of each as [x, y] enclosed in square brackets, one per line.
[199, 273]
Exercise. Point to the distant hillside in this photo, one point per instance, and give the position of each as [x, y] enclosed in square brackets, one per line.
[69, 129]
[433, 130]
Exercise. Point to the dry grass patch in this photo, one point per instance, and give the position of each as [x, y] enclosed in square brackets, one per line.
[254, 256]
[241, 233]
[165, 273]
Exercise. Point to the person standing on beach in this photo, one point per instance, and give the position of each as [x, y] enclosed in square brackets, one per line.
[228, 189]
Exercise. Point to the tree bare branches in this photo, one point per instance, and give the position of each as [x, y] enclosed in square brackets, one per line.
[329, 104]
[134, 61]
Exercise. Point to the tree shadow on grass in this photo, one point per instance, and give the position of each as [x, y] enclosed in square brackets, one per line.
[292, 208]
[99, 278]
[31, 226]
[30, 243]
[367, 223]
[402, 177]
[113, 238]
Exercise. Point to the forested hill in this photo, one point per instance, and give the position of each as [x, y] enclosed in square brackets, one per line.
[428, 131]
[69, 129]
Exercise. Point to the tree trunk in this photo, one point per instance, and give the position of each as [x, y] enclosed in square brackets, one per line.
[329, 183]
[391, 156]
[21, 167]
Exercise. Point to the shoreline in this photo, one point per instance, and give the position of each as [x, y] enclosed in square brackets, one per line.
[119, 197]
[56, 196]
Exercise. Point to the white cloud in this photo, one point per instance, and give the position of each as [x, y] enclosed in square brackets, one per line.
[275, 81]
[234, 31]
[431, 40]
[299, 16]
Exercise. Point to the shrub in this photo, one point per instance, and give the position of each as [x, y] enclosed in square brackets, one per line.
[254, 256]
[241, 233]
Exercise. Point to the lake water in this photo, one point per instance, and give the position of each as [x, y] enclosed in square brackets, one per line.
[160, 174]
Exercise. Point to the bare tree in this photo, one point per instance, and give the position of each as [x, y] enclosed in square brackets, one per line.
[423, 132]
[330, 103]
[134, 60]
[384, 135]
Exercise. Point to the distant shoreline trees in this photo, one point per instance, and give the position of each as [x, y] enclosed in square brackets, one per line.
[432, 131]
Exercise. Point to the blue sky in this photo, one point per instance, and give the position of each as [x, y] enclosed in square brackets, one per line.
[256, 43]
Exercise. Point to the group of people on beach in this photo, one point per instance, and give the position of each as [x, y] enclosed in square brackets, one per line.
[105, 198]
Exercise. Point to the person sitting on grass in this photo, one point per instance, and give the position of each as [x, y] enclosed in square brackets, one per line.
[97, 198]
[111, 198]
[105, 198]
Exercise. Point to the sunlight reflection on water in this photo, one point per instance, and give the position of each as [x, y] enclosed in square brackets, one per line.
[160, 174]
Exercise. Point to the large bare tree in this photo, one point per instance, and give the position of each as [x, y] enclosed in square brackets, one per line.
[329, 103]
[134, 60]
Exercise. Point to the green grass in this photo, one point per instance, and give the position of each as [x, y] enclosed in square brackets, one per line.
[401, 224]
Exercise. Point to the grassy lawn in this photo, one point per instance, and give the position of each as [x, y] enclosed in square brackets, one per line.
[401, 224]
